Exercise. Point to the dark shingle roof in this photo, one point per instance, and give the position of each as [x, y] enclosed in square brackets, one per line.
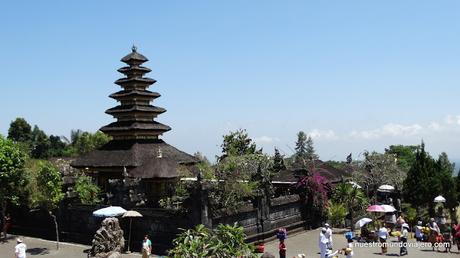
[132, 153]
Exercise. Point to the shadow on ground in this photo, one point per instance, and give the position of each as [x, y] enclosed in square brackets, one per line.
[38, 251]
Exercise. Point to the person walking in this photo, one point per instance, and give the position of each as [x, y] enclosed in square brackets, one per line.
[329, 235]
[6, 225]
[435, 234]
[383, 236]
[282, 249]
[323, 242]
[20, 249]
[146, 247]
[404, 236]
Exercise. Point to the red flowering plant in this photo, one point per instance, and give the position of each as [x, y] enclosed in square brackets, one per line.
[314, 189]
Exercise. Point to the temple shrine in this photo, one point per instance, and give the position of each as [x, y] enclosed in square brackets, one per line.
[136, 167]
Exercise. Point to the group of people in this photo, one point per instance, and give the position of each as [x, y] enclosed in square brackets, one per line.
[326, 244]
[439, 235]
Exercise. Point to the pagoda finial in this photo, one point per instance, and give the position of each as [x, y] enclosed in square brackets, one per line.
[134, 48]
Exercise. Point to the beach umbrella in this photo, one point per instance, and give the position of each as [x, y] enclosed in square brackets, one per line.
[386, 188]
[360, 223]
[439, 199]
[112, 211]
[375, 208]
[388, 208]
[131, 214]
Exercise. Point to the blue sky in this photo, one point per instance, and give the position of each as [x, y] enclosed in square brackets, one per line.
[356, 75]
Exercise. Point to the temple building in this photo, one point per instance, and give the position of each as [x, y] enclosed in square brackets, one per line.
[136, 163]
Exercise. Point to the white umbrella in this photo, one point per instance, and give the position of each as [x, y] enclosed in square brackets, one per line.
[386, 188]
[388, 208]
[354, 184]
[131, 214]
[439, 199]
[112, 211]
[360, 223]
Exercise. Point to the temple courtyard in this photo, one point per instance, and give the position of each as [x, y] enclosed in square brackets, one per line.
[300, 243]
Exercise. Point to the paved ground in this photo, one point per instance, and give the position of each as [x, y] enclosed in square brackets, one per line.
[47, 249]
[307, 243]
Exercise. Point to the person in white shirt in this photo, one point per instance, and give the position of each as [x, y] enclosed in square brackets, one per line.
[418, 232]
[404, 236]
[323, 242]
[329, 235]
[383, 235]
[348, 251]
[20, 249]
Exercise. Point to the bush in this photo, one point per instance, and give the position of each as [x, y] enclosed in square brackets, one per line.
[337, 213]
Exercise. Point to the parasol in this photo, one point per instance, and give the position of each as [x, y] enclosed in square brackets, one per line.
[112, 211]
[131, 214]
[388, 208]
[386, 188]
[375, 208]
[439, 199]
[360, 223]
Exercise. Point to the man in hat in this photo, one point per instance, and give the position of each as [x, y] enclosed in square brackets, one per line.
[20, 249]
[329, 235]
[404, 236]
[323, 242]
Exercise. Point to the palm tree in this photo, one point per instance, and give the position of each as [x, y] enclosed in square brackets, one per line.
[353, 197]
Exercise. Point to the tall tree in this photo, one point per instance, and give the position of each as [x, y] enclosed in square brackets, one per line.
[278, 161]
[238, 144]
[20, 130]
[419, 185]
[40, 144]
[310, 150]
[48, 192]
[12, 177]
[300, 156]
[446, 180]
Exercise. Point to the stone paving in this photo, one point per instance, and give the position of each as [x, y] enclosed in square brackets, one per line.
[304, 242]
[307, 243]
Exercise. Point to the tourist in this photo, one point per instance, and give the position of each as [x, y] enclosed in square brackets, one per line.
[348, 251]
[383, 236]
[146, 247]
[456, 233]
[6, 225]
[20, 249]
[323, 242]
[435, 233]
[418, 232]
[403, 238]
[329, 235]
[282, 249]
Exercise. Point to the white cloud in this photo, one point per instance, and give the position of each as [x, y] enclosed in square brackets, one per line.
[435, 126]
[451, 120]
[390, 129]
[323, 134]
[266, 139]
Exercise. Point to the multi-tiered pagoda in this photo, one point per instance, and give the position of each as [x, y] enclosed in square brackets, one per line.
[136, 150]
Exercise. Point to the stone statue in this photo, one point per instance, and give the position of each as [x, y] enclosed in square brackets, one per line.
[108, 240]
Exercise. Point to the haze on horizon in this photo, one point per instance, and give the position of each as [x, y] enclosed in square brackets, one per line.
[355, 75]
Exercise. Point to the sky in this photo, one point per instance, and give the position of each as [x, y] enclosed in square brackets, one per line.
[355, 75]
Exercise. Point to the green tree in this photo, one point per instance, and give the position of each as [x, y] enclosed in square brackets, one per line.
[405, 155]
[57, 146]
[88, 192]
[337, 213]
[310, 150]
[300, 156]
[13, 180]
[48, 192]
[446, 180]
[20, 130]
[378, 169]
[420, 185]
[40, 144]
[238, 144]
[85, 142]
[352, 197]
[278, 162]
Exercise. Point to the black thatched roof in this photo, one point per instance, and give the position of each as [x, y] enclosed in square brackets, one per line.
[330, 173]
[132, 153]
[127, 93]
[163, 168]
[135, 126]
[134, 57]
[130, 108]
